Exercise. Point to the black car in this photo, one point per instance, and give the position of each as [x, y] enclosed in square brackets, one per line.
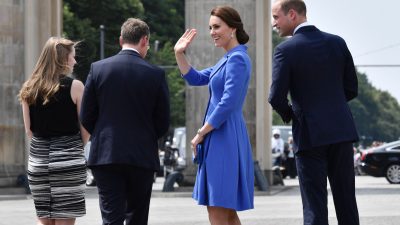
[382, 161]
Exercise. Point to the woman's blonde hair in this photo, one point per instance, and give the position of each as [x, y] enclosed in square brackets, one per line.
[52, 64]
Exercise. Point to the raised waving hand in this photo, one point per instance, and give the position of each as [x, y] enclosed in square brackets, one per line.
[180, 48]
[184, 41]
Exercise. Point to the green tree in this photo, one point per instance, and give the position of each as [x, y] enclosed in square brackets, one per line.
[156, 14]
[166, 59]
[376, 113]
[165, 19]
[82, 20]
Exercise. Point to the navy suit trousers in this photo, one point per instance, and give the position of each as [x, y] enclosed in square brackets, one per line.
[314, 166]
[124, 193]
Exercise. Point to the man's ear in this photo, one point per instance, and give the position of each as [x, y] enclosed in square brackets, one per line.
[143, 41]
[121, 41]
[292, 14]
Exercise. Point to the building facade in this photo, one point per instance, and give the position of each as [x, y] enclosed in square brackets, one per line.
[24, 28]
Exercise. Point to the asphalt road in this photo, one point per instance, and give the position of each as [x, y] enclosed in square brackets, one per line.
[378, 203]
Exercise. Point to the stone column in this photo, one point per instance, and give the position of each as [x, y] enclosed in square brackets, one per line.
[202, 54]
[25, 26]
[263, 77]
[43, 19]
[12, 148]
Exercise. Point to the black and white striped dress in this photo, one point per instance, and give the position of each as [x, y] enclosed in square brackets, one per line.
[57, 175]
[57, 166]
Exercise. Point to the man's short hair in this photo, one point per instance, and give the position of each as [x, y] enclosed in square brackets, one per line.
[297, 5]
[133, 30]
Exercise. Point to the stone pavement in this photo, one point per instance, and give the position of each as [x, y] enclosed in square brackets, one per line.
[378, 202]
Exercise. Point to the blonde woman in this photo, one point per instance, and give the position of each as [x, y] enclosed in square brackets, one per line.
[50, 104]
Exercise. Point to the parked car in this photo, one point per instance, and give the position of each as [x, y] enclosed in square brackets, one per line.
[382, 161]
[179, 142]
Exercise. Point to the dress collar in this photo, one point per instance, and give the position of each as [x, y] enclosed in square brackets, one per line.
[236, 48]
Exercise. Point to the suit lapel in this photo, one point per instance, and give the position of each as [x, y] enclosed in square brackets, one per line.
[218, 65]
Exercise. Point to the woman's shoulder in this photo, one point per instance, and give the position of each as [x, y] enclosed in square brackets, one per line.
[239, 56]
[75, 83]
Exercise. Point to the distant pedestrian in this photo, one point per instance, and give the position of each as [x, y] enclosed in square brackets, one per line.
[317, 69]
[277, 147]
[125, 107]
[51, 104]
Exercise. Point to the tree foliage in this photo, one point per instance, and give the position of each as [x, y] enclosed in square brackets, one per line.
[165, 18]
[82, 20]
[376, 113]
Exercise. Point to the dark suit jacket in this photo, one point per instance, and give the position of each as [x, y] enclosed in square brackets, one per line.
[125, 108]
[317, 69]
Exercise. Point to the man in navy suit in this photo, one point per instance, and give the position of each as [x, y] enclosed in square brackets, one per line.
[317, 69]
[125, 108]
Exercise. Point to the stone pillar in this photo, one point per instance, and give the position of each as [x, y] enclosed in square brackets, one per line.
[25, 26]
[43, 19]
[263, 76]
[202, 54]
[12, 154]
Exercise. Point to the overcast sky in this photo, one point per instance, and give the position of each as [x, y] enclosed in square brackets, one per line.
[371, 31]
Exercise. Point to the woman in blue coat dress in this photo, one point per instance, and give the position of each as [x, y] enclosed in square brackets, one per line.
[225, 177]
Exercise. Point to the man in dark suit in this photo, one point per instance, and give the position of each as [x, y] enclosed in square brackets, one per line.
[317, 69]
[125, 108]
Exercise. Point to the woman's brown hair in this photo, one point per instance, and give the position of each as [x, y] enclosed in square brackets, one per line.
[232, 18]
[52, 64]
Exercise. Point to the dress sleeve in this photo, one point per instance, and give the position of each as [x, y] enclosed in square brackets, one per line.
[198, 78]
[236, 80]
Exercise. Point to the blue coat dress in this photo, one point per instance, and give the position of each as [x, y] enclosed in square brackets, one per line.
[226, 176]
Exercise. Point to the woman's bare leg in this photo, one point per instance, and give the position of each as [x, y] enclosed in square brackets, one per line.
[65, 221]
[45, 221]
[222, 216]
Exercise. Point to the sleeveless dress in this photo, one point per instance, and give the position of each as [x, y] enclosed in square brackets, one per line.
[56, 165]
[225, 178]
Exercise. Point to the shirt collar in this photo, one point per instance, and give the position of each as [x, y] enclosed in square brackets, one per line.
[131, 49]
[300, 26]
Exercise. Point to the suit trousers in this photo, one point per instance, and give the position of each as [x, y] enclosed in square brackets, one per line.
[124, 193]
[314, 166]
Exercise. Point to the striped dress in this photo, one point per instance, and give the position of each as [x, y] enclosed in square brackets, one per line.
[57, 166]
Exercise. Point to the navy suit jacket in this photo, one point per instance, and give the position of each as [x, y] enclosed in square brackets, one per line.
[317, 69]
[125, 108]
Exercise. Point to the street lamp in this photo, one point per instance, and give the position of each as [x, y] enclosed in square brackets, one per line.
[102, 41]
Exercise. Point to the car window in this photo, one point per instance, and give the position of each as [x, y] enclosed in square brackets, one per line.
[394, 148]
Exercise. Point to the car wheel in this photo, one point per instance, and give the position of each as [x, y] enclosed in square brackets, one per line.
[393, 174]
[90, 181]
